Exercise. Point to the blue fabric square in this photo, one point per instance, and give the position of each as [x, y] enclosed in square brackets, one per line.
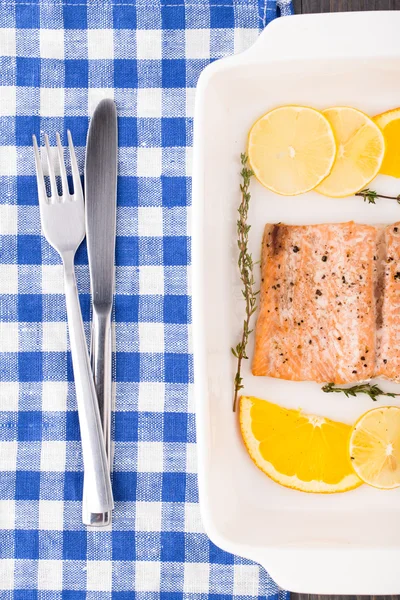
[175, 427]
[25, 595]
[172, 546]
[75, 16]
[128, 366]
[125, 73]
[126, 426]
[173, 17]
[28, 72]
[27, 16]
[173, 132]
[30, 366]
[174, 487]
[73, 485]
[74, 595]
[127, 191]
[8, 130]
[29, 250]
[173, 73]
[174, 191]
[124, 16]
[30, 425]
[74, 545]
[6, 545]
[72, 431]
[79, 128]
[27, 485]
[175, 309]
[149, 73]
[26, 544]
[127, 131]
[30, 307]
[123, 545]
[124, 486]
[126, 308]
[176, 368]
[222, 16]
[150, 251]
[175, 250]
[25, 127]
[127, 251]
[76, 75]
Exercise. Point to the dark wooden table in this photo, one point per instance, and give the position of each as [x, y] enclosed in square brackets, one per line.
[318, 6]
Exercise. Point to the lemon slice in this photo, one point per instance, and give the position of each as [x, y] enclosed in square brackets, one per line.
[291, 149]
[375, 447]
[389, 123]
[303, 452]
[360, 152]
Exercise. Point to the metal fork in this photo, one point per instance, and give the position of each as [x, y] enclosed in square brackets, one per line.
[63, 224]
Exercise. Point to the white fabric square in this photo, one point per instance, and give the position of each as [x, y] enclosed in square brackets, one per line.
[9, 391]
[150, 221]
[151, 396]
[193, 522]
[50, 575]
[54, 395]
[147, 576]
[189, 161]
[95, 95]
[8, 453]
[244, 38]
[7, 574]
[51, 515]
[148, 516]
[151, 280]
[54, 336]
[197, 43]
[7, 514]
[100, 43]
[8, 102]
[52, 102]
[196, 578]
[151, 337]
[99, 575]
[149, 162]
[8, 279]
[149, 102]
[150, 457]
[52, 456]
[8, 159]
[52, 43]
[148, 43]
[190, 96]
[8, 217]
[8, 338]
[191, 458]
[52, 279]
[245, 580]
[7, 41]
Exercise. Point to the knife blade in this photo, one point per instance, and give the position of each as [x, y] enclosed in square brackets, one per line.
[100, 212]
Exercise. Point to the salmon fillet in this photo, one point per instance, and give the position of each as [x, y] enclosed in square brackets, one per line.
[388, 321]
[317, 319]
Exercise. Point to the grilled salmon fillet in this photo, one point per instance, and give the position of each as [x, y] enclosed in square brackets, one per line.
[317, 319]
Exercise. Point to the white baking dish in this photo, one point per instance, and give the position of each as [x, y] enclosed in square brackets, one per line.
[345, 543]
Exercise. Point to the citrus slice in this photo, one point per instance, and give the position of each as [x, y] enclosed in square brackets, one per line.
[291, 149]
[360, 152]
[375, 447]
[303, 452]
[389, 123]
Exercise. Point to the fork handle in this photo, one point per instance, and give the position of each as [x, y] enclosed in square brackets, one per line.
[99, 492]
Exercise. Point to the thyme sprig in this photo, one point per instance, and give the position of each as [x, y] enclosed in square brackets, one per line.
[373, 391]
[370, 196]
[245, 264]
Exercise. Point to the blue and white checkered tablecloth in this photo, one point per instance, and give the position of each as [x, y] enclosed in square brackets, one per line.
[57, 60]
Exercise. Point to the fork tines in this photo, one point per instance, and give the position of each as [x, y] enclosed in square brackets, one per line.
[43, 197]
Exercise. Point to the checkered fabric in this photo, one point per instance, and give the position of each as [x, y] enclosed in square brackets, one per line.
[57, 60]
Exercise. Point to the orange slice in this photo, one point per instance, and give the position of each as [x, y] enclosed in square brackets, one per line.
[303, 452]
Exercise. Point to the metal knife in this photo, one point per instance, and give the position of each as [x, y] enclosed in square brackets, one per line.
[100, 207]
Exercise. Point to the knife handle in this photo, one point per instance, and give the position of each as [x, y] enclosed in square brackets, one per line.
[101, 361]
